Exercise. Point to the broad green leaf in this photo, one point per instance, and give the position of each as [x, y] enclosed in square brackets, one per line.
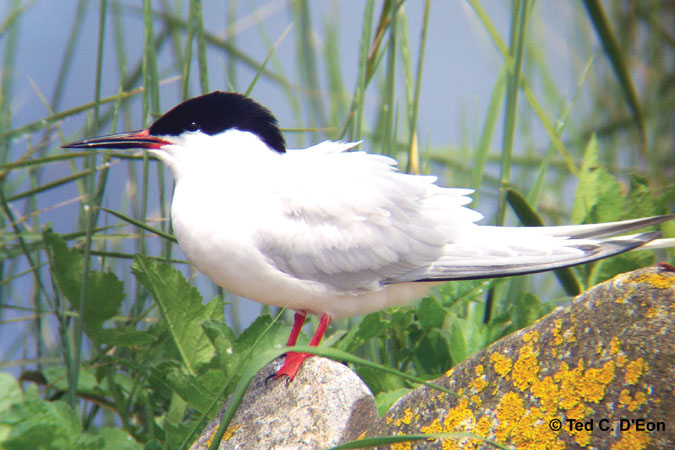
[41, 424]
[57, 377]
[598, 196]
[10, 391]
[115, 439]
[181, 306]
[385, 400]
[430, 313]
[378, 381]
[433, 357]
[625, 262]
[526, 310]
[191, 389]
[104, 295]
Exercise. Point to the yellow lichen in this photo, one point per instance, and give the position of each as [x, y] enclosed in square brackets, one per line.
[433, 427]
[569, 335]
[459, 418]
[583, 437]
[524, 428]
[614, 346]
[531, 336]
[478, 384]
[546, 390]
[652, 312]
[635, 369]
[656, 280]
[624, 398]
[632, 403]
[484, 426]
[526, 368]
[401, 446]
[621, 360]
[501, 364]
[557, 325]
[406, 419]
[476, 400]
[632, 440]
[595, 382]
[229, 432]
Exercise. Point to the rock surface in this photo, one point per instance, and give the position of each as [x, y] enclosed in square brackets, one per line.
[325, 405]
[606, 361]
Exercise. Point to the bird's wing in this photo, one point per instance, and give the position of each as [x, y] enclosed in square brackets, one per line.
[349, 220]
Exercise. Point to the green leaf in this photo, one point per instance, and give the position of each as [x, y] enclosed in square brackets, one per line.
[432, 357]
[598, 196]
[115, 439]
[625, 262]
[57, 377]
[190, 389]
[385, 400]
[104, 295]
[181, 306]
[526, 310]
[41, 424]
[378, 381]
[430, 313]
[529, 217]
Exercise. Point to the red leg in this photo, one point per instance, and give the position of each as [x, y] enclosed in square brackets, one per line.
[295, 359]
[298, 322]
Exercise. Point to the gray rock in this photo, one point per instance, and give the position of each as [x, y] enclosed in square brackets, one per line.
[325, 405]
[607, 361]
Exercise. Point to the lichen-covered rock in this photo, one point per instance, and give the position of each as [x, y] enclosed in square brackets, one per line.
[599, 373]
[326, 404]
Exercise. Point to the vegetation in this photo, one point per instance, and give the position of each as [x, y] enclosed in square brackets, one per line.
[107, 343]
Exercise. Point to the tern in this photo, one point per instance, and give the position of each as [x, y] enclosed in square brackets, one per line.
[330, 230]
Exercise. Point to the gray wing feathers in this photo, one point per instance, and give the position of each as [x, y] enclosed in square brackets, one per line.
[354, 223]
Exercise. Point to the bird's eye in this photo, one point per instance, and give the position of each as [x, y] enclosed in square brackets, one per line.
[192, 126]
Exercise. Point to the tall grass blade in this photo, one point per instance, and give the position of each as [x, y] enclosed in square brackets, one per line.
[615, 55]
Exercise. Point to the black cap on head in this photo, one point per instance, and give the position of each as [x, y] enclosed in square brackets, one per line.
[219, 111]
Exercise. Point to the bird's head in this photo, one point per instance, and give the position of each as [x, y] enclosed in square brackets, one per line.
[217, 122]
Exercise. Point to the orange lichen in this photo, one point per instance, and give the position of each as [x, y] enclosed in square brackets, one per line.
[635, 369]
[526, 368]
[501, 364]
